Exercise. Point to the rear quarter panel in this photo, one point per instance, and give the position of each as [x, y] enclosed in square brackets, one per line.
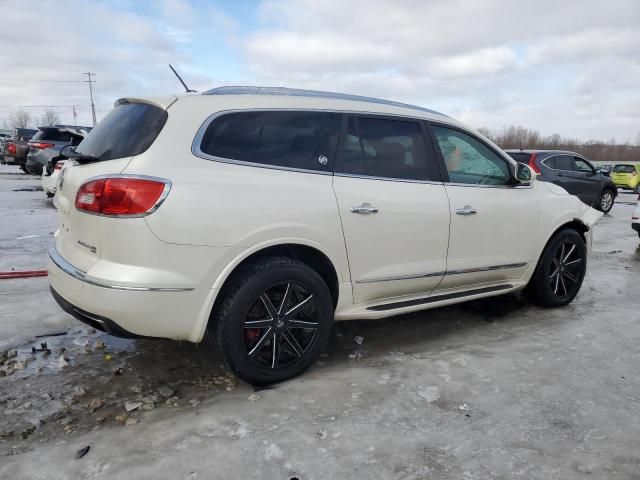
[242, 208]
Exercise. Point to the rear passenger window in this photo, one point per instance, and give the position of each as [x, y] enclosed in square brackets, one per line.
[350, 154]
[561, 162]
[304, 140]
[393, 148]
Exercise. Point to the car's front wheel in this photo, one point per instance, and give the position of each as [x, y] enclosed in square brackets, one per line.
[560, 270]
[273, 321]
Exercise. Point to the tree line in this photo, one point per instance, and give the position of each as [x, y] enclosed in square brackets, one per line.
[24, 119]
[596, 150]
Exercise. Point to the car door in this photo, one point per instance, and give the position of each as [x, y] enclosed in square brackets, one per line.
[395, 217]
[561, 172]
[494, 222]
[589, 185]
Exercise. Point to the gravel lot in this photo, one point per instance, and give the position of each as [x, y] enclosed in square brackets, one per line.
[485, 390]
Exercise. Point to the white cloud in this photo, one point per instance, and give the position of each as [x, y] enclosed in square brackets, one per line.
[570, 67]
[493, 62]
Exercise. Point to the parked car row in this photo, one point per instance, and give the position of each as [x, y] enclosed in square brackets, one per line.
[32, 149]
[572, 172]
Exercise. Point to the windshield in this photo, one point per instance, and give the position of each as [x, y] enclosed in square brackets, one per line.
[128, 130]
[624, 169]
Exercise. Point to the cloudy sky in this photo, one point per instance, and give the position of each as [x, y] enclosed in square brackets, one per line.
[571, 67]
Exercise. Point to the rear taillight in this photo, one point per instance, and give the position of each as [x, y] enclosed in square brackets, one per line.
[122, 196]
[532, 163]
[11, 148]
[40, 145]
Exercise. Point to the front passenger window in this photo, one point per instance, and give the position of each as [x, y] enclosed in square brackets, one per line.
[469, 160]
[582, 166]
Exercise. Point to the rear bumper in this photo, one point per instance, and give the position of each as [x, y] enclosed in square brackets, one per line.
[96, 321]
[124, 310]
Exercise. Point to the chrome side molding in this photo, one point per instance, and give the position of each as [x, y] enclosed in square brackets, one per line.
[69, 269]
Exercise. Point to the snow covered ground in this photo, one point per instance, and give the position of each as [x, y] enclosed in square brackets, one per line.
[484, 390]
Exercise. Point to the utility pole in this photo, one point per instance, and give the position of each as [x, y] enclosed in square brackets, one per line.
[93, 106]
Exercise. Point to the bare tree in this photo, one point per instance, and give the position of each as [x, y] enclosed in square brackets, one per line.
[520, 137]
[49, 118]
[19, 119]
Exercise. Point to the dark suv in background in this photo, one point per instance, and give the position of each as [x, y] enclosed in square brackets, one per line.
[47, 143]
[573, 173]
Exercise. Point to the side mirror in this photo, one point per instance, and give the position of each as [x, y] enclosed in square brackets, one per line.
[524, 174]
[67, 152]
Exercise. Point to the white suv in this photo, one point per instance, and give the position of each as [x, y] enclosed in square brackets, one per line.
[257, 216]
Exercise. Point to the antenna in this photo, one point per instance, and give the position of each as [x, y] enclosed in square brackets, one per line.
[187, 89]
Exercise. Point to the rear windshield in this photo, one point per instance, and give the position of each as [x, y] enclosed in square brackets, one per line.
[520, 157]
[128, 130]
[624, 169]
[52, 135]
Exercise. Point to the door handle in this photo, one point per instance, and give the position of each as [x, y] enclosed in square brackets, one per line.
[466, 210]
[364, 209]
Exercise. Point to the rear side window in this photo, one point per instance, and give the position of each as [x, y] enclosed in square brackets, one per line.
[520, 157]
[390, 149]
[128, 130]
[624, 169]
[560, 162]
[52, 135]
[301, 140]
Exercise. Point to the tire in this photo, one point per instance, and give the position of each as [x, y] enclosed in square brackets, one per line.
[251, 315]
[551, 286]
[605, 203]
[24, 169]
[637, 189]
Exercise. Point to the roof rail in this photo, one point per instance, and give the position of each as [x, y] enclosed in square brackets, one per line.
[298, 92]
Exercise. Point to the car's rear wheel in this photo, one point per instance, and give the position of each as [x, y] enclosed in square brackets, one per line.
[560, 270]
[606, 200]
[274, 320]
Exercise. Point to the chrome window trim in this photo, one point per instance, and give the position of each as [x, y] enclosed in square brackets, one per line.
[554, 156]
[160, 201]
[388, 179]
[197, 140]
[452, 184]
[78, 274]
[448, 272]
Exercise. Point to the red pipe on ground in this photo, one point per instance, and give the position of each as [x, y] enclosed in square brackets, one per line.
[22, 274]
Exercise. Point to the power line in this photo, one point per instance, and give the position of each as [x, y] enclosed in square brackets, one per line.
[27, 79]
[41, 106]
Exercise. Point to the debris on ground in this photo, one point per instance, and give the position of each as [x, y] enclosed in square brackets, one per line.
[254, 397]
[464, 407]
[166, 392]
[131, 406]
[358, 339]
[82, 452]
[121, 419]
[95, 404]
[131, 421]
[99, 345]
[322, 434]
[62, 362]
[118, 371]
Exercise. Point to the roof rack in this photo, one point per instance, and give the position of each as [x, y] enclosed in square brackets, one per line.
[298, 92]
